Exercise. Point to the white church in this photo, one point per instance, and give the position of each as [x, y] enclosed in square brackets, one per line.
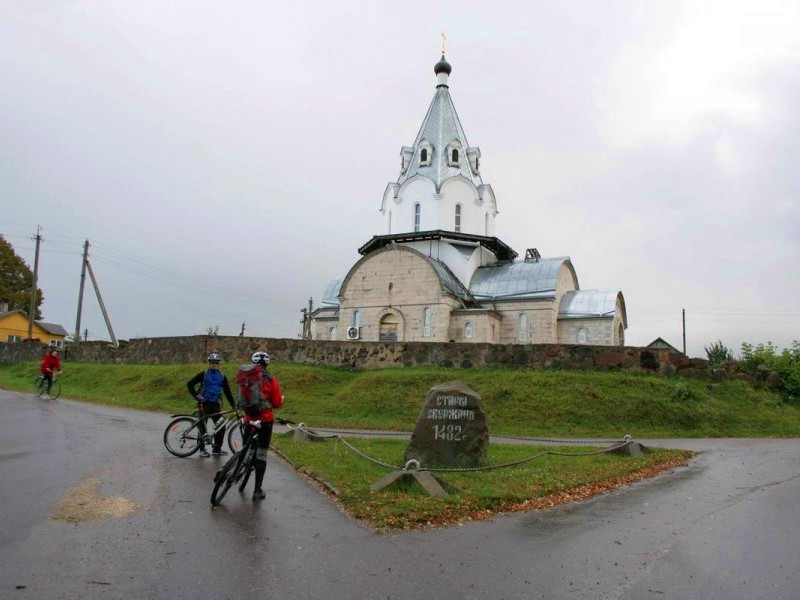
[439, 274]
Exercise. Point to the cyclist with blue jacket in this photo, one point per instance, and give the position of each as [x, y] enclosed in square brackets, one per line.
[207, 388]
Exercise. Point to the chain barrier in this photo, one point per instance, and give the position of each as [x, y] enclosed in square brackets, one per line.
[626, 441]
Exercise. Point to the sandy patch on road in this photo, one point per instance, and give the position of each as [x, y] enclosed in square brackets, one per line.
[85, 503]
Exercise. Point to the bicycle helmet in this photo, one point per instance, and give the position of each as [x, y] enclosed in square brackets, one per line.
[214, 358]
[260, 357]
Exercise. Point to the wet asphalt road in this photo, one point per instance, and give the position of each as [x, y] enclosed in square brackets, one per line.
[725, 527]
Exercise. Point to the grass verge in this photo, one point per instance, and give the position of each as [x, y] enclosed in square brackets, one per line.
[543, 482]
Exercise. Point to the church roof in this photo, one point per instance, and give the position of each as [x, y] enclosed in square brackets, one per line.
[440, 127]
[331, 295]
[493, 244]
[524, 279]
[582, 304]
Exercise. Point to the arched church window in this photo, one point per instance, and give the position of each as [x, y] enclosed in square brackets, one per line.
[486, 224]
[423, 155]
[390, 221]
[458, 218]
[523, 328]
[417, 216]
[583, 336]
[621, 339]
[332, 333]
[389, 328]
[357, 318]
[427, 322]
[454, 156]
[468, 331]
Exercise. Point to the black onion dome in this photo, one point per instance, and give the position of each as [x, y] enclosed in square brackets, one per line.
[442, 66]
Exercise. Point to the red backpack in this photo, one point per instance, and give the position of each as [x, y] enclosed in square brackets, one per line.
[250, 383]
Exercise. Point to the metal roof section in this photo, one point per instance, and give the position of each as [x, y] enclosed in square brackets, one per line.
[331, 295]
[493, 244]
[528, 279]
[440, 128]
[586, 304]
[450, 282]
[53, 328]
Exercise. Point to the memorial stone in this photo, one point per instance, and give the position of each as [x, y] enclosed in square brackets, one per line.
[451, 428]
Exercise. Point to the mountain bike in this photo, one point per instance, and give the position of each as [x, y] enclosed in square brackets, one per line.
[241, 465]
[41, 387]
[183, 437]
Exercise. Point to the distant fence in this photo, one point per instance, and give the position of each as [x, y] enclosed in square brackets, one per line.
[371, 355]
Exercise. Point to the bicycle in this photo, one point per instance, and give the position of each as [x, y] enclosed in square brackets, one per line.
[241, 465]
[182, 437]
[41, 387]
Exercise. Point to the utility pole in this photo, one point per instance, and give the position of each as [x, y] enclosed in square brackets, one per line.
[102, 306]
[80, 294]
[32, 312]
[683, 311]
[88, 267]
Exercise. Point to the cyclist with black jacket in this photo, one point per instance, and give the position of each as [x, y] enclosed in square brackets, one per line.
[207, 388]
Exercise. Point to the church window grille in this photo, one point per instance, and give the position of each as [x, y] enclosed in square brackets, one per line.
[523, 328]
[389, 328]
[458, 218]
[427, 322]
[417, 216]
[468, 331]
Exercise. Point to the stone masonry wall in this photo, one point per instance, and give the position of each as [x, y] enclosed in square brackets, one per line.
[371, 355]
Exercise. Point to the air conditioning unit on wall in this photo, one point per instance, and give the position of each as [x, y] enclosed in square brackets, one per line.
[353, 333]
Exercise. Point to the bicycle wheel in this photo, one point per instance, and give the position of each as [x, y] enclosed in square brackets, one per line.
[55, 390]
[182, 437]
[224, 478]
[38, 386]
[247, 469]
[236, 436]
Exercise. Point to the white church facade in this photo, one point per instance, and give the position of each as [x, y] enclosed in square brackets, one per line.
[437, 273]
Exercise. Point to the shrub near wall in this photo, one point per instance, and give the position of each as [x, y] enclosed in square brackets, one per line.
[377, 355]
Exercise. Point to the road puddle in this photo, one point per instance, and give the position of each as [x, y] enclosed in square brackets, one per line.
[85, 503]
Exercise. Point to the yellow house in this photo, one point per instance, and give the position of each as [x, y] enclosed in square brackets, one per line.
[14, 328]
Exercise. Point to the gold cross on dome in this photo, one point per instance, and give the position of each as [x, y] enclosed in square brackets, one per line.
[444, 43]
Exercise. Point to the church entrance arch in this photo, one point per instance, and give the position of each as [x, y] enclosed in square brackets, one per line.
[389, 328]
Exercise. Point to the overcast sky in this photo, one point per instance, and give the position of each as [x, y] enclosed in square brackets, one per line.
[227, 159]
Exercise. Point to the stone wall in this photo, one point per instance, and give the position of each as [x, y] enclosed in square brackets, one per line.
[372, 355]
[21, 352]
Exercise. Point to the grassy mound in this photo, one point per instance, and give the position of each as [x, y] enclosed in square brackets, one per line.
[533, 403]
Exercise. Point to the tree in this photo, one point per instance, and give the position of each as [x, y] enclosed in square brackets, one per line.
[16, 280]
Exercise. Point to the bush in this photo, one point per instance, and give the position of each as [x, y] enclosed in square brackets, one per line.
[718, 354]
[786, 364]
[683, 392]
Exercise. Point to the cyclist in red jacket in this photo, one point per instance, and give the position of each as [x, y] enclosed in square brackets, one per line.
[50, 364]
[274, 398]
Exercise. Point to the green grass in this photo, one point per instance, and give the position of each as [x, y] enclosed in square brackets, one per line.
[541, 482]
[518, 402]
